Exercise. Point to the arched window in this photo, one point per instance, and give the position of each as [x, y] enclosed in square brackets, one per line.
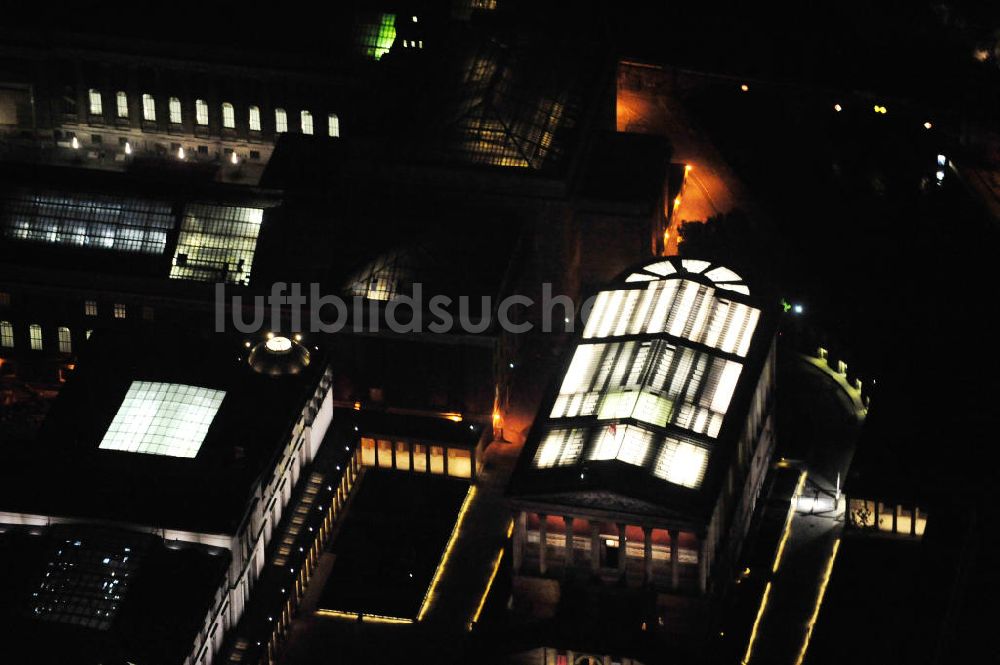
[6, 335]
[280, 121]
[201, 111]
[307, 122]
[35, 336]
[254, 118]
[148, 107]
[175, 111]
[228, 116]
[121, 100]
[333, 125]
[65, 340]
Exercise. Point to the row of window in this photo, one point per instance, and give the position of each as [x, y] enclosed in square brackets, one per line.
[174, 110]
[35, 337]
[421, 458]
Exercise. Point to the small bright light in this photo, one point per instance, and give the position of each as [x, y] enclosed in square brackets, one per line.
[688, 168]
[246, 344]
[511, 365]
[75, 143]
[180, 152]
[270, 335]
[278, 344]
[128, 148]
[414, 19]
[942, 160]
[838, 108]
[939, 175]
[298, 337]
[745, 87]
[233, 158]
[928, 125]
[797, 308]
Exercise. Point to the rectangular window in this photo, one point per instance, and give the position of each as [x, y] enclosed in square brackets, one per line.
[35, 336]
[384, 454]
[65, 340]
[333, 125]
[4, 299]
[147, 313]
[121, 100]
[96, 104]
[201, 112]
[307, 122]
[175, 111]
[419, 458]
[280, 121]
[6, 335]
[119, 310]
[228, 116]
[367, 451]
[437, 459]
[402, 455]
[254, 118]
[148, 107]
[459, 463]
[217, 242]
[90, 307]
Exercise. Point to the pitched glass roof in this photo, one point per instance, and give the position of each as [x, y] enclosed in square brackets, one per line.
[652, 378]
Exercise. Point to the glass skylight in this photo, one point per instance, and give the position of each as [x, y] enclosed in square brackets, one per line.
[217, 243]
[163, 419]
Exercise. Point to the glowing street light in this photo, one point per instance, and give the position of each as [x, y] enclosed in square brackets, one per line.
[838, 108]
[797, 308]
[745, 88]
[928, 124]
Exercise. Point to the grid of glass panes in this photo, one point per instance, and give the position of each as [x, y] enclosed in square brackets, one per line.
[678, 307]
[653, 381]
[376, 35]
[217, 242]
[560, 447]
[383, 278]
[163, 419]
[88, 220]
[85, 581]
[6, 334]
[681, 462]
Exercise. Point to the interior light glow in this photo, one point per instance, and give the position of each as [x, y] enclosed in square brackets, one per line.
[163, 419]
[278, 344]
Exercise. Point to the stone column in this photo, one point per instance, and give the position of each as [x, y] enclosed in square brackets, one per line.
[703, 565]
[647, 554]
[542, 541]
[517, 546]
[595, 547]
[569, 542]
[675, 559]
[622, 552]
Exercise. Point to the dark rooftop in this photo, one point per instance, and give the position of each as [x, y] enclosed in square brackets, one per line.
[95, 595]
[65, 473]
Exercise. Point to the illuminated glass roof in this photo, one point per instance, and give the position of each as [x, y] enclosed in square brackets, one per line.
[652, 378]
[217, 243]
[163, 419]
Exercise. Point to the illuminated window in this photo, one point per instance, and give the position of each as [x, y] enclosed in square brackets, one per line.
[87, 334]
[4, 299]
[254, 118]
[459, 463]
[35, 336]
[65, 340]
[625, 443]
[87, 220]
[175, 111]
[376, 35]
[163, 419]
[384, 277]
[201, 112]
[419, 458]
[148, 107]
[217, 242]
[121, 100]
[384, 452]
[280, 121]
[307, 122]
[96, 104]
[119, 310]
[437, 459]
[228, 116]
[90, 307]
[6, 334]
[333, 125]
[681, 463]
[402, 455]
[367, 451]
